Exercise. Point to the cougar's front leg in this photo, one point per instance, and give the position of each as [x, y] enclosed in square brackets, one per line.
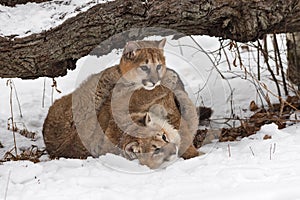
[187, 149]
[188, 111]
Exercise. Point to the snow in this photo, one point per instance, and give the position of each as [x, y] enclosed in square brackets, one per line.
[212, 176]
[252, 168]
[23, 20]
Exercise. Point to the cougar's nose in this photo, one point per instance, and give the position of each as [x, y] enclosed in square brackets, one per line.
[153, 80]
[170, 150]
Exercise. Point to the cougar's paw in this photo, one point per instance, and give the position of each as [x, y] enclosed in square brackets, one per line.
[191, 152]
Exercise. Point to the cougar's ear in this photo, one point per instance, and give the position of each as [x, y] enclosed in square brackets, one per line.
[147, 119]
[131, 150]
[130, 49]
[162, 43]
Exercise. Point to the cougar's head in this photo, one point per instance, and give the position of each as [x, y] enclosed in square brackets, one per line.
[143, 63]
[155, 144]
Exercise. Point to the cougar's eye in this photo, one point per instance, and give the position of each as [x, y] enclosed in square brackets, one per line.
[157, 151]
[158, 67]
[164, 137]
[144, 68]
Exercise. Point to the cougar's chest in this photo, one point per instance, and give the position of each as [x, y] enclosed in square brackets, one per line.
[142, 100]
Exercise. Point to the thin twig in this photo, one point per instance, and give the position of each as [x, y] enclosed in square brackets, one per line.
[259, 86]
[9, 82]
[44, 90]
[256, 84]
[251, 150]
[54, 86]
[276, 58]
[271, 71]
[229, 152]
[208, 57]
[281, 66]
[266, 46]
[215, 66]
[180, 48]
[258, 64]
[296, 58]
[7, 183]
[240, 58]
[271, 152]
[18, 101]
[279, 97]
[226, 56]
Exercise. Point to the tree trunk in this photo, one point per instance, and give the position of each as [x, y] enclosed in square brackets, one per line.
[293, 52]
[52, 52]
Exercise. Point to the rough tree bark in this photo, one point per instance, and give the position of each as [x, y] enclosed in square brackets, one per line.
[52, 52]
[293, 54]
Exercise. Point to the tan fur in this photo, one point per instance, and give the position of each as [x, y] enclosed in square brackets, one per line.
[143, 63]
[62, 140]
[153, 143]
[183, 116]
[59, 131]
[98, 117]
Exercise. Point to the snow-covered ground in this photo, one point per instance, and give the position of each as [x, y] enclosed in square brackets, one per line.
[212, 176]
[252, 168]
